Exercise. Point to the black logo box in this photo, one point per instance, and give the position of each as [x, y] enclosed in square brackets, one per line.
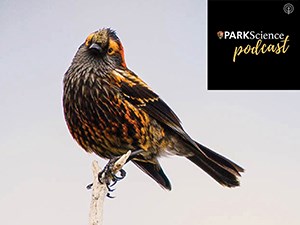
[267, 71]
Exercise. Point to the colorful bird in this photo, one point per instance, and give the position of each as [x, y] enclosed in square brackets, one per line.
[110, 110]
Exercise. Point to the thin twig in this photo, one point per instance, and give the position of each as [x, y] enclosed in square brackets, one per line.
[100, 190]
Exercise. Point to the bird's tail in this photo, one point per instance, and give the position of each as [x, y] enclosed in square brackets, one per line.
[223, 170]
[154, 170]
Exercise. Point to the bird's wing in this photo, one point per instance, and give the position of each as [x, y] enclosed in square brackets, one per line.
[140, 95]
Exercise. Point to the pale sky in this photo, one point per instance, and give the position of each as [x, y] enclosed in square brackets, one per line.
[44, 172]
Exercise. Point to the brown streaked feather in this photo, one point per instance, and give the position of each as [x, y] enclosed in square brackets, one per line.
[140, 95]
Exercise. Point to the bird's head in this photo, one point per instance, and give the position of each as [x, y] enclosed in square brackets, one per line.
[104, 45]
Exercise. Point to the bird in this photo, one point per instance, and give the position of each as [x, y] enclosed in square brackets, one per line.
[110, 110]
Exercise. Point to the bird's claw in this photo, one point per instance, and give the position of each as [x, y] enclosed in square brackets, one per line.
[89, 186]
[106, 176]
[117, 178]
[109, 196]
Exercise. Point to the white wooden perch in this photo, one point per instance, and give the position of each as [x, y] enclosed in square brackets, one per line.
[100, 190]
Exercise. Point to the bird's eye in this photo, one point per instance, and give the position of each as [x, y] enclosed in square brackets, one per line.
[110, 50]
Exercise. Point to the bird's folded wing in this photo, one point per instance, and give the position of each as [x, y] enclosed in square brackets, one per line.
[141, 96]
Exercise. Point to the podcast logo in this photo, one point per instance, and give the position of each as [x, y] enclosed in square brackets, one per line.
[220, 34]
[259, 42]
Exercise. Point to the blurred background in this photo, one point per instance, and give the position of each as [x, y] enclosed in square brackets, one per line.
[44, 172]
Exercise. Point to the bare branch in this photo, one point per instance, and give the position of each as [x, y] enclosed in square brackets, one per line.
[100, 190]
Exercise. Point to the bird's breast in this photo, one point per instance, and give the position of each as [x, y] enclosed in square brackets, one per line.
[101, 120]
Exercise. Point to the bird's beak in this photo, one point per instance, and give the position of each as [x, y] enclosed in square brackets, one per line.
[96, 47]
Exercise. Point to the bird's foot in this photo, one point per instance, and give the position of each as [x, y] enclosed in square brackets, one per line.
[107, 175]
[114, 181]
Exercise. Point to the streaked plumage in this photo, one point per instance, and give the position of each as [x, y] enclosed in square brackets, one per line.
[110, 110]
